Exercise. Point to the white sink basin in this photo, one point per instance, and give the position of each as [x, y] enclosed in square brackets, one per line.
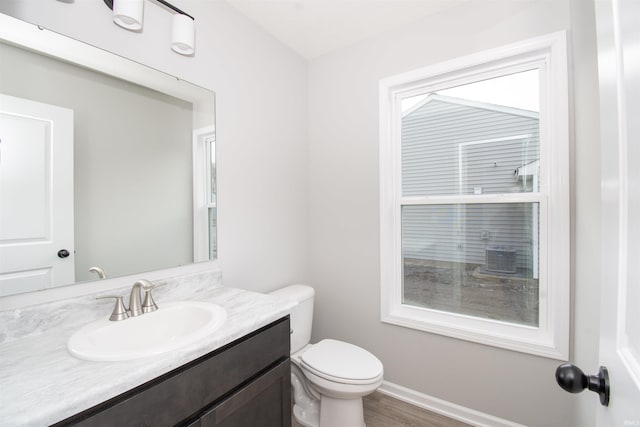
[171, 327]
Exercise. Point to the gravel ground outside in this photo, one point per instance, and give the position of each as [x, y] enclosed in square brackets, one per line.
[469, 289]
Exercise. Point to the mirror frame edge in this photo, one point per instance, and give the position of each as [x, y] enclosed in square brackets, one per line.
[39, 39]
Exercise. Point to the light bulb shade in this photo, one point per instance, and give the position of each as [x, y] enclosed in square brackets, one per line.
[128, 14]
[183, 34]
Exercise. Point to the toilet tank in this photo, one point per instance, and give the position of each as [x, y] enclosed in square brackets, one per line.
[301, 315]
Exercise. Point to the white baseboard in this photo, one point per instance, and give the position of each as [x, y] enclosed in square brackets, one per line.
[443, 407]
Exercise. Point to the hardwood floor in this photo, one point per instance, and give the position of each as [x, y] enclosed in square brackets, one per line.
[383, 411]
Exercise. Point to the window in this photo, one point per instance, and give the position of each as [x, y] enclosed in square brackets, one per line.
[474, 157]
[205, 218]
[212, 192]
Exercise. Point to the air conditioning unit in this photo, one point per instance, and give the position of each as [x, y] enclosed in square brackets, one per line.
[501, 259]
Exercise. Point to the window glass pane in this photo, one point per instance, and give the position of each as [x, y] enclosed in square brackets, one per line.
[479, 260]
[213, 234]
[211, 149]
[212, 196]
[479, 138]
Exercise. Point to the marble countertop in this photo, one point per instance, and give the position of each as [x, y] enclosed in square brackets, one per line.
[41, 383]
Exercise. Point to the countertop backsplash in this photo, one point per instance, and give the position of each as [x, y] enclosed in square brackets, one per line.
[74, 312]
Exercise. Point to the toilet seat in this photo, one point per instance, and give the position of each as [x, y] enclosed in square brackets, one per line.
[341, 362]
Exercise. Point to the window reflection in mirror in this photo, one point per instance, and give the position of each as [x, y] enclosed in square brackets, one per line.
[213, 241]
[205, 245]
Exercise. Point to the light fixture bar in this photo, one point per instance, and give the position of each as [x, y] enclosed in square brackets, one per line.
[172, 7]
[129, 15]
[109, 4]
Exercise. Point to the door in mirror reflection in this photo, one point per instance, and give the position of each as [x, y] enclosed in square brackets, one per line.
[36, 196]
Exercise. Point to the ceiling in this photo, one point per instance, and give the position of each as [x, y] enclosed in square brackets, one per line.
[315, 27]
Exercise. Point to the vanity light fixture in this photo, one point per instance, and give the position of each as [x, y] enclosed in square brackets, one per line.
[129, 15]
[183, 33]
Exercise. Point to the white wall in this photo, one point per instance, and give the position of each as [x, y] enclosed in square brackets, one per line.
[261, 97]
[344, 219]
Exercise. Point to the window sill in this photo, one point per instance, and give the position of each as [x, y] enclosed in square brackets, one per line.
[509, 336]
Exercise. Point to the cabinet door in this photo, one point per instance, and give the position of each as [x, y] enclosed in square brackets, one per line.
[265, 402]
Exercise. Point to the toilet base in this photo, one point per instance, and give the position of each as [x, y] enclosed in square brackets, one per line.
[306, 409]
[341, 412]
[333, 412]
[305, 418]
[310, 411]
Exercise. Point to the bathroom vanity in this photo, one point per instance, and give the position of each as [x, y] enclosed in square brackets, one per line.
[245, 383]
[237, 376]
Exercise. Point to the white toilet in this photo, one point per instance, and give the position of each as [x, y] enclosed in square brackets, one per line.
[329, 378]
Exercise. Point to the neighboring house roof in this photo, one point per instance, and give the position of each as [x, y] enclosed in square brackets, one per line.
[472, 104]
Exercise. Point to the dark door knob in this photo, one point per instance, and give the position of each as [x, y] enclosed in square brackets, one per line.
[63, 253]
[572, 379]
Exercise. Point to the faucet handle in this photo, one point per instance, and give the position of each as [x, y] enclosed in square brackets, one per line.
[119, 311]
[149, 304]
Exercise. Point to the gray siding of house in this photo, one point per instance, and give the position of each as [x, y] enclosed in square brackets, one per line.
[448, 149]
[455, 232]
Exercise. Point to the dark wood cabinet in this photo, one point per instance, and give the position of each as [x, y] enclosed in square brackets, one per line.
[245, 383]
[262, 402]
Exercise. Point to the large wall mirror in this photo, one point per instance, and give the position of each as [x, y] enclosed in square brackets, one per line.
[106, 165]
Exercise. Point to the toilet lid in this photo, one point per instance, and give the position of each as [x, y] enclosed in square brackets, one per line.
[337, 360]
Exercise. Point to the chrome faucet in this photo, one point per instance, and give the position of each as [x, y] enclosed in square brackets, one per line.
[100, 272]
[136, 308]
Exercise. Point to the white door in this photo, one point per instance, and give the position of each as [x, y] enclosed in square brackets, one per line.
[36, 196]
[618, 23]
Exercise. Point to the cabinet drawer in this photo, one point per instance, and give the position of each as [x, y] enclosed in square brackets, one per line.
[183, 392]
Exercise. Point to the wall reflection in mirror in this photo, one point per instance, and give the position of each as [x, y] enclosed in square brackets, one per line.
[116, 174]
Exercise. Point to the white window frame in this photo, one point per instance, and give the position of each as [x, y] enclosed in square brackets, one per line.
[203, 138]
[551, 337]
